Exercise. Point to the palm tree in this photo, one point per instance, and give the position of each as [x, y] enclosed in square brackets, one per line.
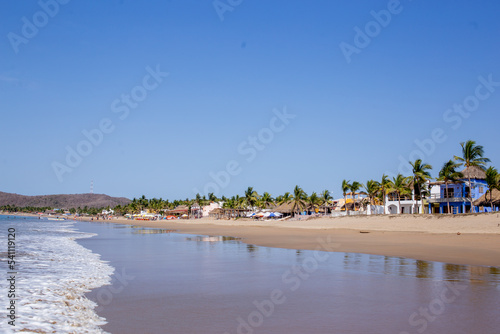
[239, 202]
[212, 197]
[266, 200]
[298, 200]
[325, 198]
[313, 201]
[420, 177]
[472, 155]
[200, 201]
[133, 207]
[448, 174]
[155, 205]
[251, 197]
[384, 186]
[345, 188]
[372, 187]
[229, 203]
[399, 185]
[355, 186]
[493, 181]
[285, 198]
[143, 202]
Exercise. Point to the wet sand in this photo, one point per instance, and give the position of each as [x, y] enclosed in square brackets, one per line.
[167, 282]
[428, 238]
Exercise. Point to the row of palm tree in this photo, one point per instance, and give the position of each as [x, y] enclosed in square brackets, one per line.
[298, 199]
[26, 209]
[377, 191]
[401, 186]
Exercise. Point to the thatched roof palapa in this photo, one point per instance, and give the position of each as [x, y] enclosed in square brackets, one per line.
[474, 172]
[178, 209]
[284, 208]
[485, 199]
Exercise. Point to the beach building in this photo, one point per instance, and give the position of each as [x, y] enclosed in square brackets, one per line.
[406, 204]
[108, 212]
[209, 208]
[178, 211]
[489, 202]
[458, 194]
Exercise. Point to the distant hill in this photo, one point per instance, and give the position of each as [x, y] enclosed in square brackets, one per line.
[62, 201]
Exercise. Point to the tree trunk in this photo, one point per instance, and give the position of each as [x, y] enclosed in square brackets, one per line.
[399, 201]
[447, 196]
[491, 199]
[422, 200]
[383, 197]
[345, 203]
[470, 194]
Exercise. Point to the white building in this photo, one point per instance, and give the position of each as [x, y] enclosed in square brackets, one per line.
[210, 207]
[407, 203]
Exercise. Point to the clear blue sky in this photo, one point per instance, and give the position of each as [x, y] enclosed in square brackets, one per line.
[354, 120]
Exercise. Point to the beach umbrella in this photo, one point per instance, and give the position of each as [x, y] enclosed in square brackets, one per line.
[267, 214]
[272, 214]
[260, 214]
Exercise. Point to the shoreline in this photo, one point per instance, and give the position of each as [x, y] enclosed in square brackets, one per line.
[420, 237]
[425, 238]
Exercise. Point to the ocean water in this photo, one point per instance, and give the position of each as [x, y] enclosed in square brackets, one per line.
[167, 282]
[52, 273]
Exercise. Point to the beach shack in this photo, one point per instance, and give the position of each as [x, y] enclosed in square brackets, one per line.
[489, 202]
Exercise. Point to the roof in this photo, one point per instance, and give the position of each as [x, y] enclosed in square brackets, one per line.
[284, 208]
[474, 172]
[485, 199]
[179, 209]
[216, 211]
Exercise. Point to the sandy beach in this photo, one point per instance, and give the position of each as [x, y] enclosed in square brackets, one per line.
[461, 239]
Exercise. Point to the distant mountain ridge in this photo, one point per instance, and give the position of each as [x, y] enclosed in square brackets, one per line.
[62, 201]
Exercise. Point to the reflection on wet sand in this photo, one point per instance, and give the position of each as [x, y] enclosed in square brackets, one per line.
[404, 267]
[212, 239]
[141, 229]
[210, 282]
[151, 231]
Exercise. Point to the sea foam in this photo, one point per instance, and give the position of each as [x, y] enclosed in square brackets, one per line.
[53, 274]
